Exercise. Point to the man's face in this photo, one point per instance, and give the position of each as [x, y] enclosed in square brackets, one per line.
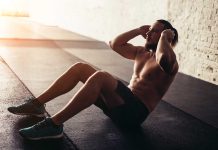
[154, 33]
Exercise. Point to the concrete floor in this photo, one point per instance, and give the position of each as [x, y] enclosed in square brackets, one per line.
[38, 54]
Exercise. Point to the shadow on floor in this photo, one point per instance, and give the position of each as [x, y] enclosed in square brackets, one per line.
[137, 139]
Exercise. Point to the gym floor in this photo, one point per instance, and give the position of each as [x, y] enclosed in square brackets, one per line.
[34, 55]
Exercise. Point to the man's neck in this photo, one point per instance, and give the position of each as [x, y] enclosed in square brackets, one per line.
[150, 47]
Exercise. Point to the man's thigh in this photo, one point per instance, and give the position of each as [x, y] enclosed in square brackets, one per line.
[109, 93]
[112, 99]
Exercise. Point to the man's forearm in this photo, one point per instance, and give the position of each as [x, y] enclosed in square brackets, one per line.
[164, 46]
[122, 39]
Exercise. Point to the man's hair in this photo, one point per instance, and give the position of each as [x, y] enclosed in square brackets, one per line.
[168, 25]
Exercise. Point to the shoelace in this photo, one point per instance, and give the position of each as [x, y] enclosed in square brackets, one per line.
[29, 99]
[41, 124]
[26, 101]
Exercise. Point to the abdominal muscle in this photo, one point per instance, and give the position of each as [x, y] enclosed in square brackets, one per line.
[145, 92]
[149, 82]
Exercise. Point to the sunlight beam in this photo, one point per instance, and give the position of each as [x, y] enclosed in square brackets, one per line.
[14, 7]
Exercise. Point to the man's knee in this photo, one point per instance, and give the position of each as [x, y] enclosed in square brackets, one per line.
[82, 70]
[104, 79]
[77, 66]
[99, 76]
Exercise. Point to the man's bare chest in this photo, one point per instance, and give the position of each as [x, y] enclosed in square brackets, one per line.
[147, 67]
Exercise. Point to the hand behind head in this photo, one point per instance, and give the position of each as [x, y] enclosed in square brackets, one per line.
[169, 34]
[144, 29]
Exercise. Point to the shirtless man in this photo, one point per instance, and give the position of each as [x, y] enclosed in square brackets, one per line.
[128, 106]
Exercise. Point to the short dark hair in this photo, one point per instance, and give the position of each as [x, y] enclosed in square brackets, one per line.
[167, 25]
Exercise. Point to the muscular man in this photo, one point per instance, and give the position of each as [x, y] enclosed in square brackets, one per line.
[155, 67]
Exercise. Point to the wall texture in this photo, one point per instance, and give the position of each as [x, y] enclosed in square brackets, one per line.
[197, 24]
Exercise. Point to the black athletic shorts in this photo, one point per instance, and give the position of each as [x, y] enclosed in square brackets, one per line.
[130, 114]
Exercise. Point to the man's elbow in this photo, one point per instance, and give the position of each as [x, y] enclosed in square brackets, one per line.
[113, 45]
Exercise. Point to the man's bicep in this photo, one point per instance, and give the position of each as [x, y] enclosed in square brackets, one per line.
[128, 50]
[167, 63]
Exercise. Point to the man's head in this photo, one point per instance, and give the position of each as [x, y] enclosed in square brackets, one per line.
[154, 33]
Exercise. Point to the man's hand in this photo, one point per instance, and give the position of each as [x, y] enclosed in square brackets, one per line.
[144, 29]
[168, 34]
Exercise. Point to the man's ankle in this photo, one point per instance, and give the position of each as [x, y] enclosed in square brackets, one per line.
[55, 123]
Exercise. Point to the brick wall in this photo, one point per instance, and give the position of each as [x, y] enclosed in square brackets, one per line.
[197, 24]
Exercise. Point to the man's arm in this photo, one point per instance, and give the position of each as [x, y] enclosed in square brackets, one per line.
[165, 55]
[120, 43]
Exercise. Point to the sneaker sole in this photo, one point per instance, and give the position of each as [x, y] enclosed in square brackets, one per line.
[44, 138]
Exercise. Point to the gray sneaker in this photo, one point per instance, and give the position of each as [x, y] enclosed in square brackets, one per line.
[30, 107]
[45, 129]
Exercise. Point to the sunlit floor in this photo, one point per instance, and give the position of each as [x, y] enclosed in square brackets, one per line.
[27, 33]
[25, 28]
[39, 54]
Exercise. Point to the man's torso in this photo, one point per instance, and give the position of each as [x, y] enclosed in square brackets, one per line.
[149, 82]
